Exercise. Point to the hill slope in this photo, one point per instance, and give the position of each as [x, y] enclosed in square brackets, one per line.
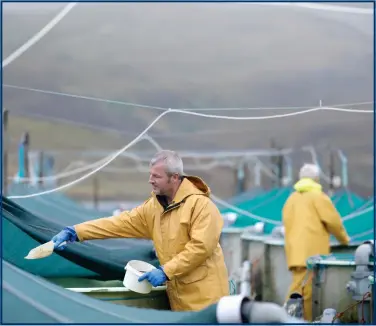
[201, 55]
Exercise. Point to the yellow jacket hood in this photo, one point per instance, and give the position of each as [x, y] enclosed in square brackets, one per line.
[191, 185]
[306, 184]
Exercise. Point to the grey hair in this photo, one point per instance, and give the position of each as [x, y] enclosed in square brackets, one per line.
[171, 159]
[311, 171]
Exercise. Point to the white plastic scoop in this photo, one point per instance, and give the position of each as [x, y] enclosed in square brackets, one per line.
[42, 251]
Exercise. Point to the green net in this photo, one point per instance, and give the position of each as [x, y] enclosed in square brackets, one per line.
[358, 213]
[30, 299]
[22, 231]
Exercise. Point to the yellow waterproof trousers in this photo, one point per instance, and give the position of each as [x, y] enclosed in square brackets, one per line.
[302, 284]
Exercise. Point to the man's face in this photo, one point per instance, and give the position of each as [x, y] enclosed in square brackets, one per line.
[161, 183]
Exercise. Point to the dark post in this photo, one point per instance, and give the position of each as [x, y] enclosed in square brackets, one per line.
[246, 176]
[236, 179]
[331, 170]
[277, 163]
[5, 151]
[242, 177]
[41, 168]
[280, 168]
[26, 142]
[239, 179]
[273, 158]
[95, 191]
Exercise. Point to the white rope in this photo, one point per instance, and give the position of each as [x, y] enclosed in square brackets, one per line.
[153, 142]
[350, 110]
[359, 235]
[22, 49]
[324, 7]
[356, 214]
[97, 99]
[273, 108]
[89, 98]
[243, 212]
[324, 108]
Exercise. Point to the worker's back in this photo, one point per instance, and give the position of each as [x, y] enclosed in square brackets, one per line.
[309, 217]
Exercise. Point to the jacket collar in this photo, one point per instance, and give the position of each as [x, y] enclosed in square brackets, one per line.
[306, 184]
[191, 185]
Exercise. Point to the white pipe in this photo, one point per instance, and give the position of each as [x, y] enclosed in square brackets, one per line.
[229, 309]
[265, 313]
[245, 285]
[240, 309]
[363, 253]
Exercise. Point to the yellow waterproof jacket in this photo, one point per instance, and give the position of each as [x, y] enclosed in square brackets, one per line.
[186, 238]
[309, 217]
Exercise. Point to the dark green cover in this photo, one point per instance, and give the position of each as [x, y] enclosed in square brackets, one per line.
[22, 231]
[269, 205]
[30, 299]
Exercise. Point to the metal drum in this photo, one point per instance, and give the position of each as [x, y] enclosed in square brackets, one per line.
[232, 250]
[277, 278]
[331, 275]
[253, 250]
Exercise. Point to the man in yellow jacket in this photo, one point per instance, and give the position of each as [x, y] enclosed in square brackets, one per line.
[185, 226]
[309, 218]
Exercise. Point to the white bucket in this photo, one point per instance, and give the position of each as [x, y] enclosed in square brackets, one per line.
[133, 270]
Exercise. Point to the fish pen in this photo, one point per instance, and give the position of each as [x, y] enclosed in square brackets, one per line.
[277, 278]
[343, 282]
[230, 242]
[115, 292]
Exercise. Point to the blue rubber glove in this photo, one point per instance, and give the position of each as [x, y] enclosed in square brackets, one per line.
[68, 234]
[156, 277]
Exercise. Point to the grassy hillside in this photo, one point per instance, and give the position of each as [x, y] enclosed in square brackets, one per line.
[198, 55]
[121, 180]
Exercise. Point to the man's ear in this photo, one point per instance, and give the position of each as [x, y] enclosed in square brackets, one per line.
[176, 177]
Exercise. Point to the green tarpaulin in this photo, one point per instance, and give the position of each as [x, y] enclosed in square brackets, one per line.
[22, 231]
[269, 206]
[28, 299]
